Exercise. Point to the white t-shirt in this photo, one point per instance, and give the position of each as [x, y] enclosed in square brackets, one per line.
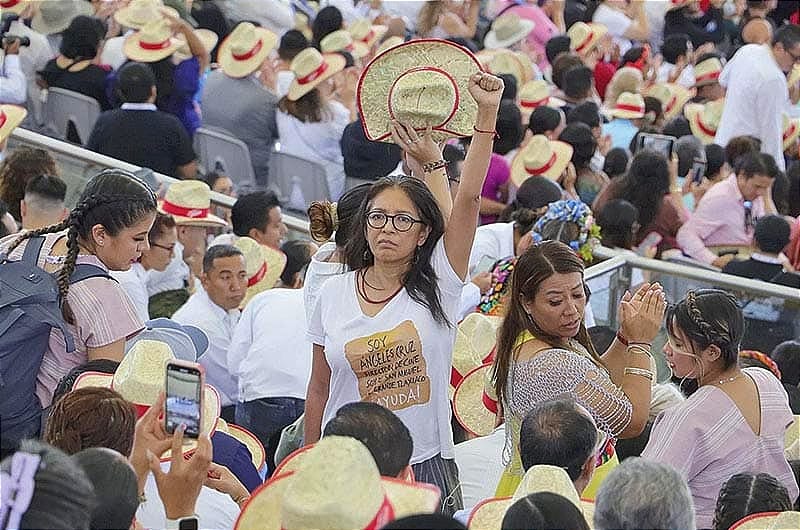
[617, 23]
[283, 82]
[269, 353]
[686, 79]
[400, 358]
[318, 272]
[134, 282]
[495, 240]
[480, 465]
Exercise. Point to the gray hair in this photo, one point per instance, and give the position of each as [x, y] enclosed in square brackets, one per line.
[644, 494]
[688, 148]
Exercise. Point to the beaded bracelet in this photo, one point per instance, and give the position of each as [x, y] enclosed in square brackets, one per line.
[430, 167]
[640, 372]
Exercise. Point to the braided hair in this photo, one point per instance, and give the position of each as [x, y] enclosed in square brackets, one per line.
[747, 493]
[706, 317]
[115, 199]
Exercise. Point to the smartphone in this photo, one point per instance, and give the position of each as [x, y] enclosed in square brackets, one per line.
[656, 142]
[651, 240]
[698, 171]
[485, 264]
[184, 403]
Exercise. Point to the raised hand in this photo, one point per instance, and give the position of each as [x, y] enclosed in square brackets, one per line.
[419, 146]
[149, 437]
[642, 313]
[486, 89]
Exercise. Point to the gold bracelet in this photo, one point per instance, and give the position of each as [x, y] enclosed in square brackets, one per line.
[640, 372]
[430, 167]
[640, 349]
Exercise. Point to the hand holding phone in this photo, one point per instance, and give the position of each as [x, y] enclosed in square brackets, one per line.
[656, 142]
[184, 402]
[698, 170]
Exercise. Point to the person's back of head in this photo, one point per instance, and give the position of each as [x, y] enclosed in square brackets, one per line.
[328, 20]
[556, 433]
[583, 143]
[61, 496]
[772, 234]
[19, 167]
[653, 110]
[385, 435]
[787, 356]
[618, 222]
[115, 486]
[298, 256]
[43, 204]
[577, 82]
[688, 149]
[544, 119]
[292, 43]
[616, 163]
[544, 511]
[509, 127]
[739, 146]
[643, 494]
[91, 417]
[509, 87]
[788, 36]
[748, 493]
[81, 40]
[136, 83]
[427, 521]
[64, 386]
[556, 46]
[715, 161]
[326, 219]
[677, 127]
[564, 62]
[675, 46]
[251, 211]
[587, 112]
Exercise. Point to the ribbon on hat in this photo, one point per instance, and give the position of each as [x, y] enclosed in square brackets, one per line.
[313, 75]
[163, 45]
[585, 42]
[368, 37]
[249, 54]
[3, 118]
[17, 488]
[541, 169]
[489, 403]
[703, 127]
[533, 104]
[710, 75]
[9, 3]
[790, 131]
[192, 213]
[632, 108]
[258, 276]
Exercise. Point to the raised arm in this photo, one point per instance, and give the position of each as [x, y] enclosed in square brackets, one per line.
[486, 90]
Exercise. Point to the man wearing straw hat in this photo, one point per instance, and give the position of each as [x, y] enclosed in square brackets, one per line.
[240, 96]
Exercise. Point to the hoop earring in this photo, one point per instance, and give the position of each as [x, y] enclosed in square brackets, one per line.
[367, 255]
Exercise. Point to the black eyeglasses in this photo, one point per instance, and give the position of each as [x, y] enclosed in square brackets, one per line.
[401, 222]
[748, 216]
[169, 249]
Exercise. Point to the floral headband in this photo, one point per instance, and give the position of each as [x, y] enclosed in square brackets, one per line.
[571, 211]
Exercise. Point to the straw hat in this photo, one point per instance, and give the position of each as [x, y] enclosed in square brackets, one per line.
[253, 444]
[342, 41]
[312, 68]
[301, 24]
[508, 62]
[206, 36]
[142, 375]
[704, 119]
[55, 17]
[365, 32]
[537, 94]
[769, 521]
[13, 6]
[139, 13]
[389, 43]
[707, 72]
[476, 337]
[264, 266]
[189, 203]
[245, 49]
[540, 156]
[506, 30]
[151, 43]
[676, 4]
[475, 401]
[628, 106]
[488, 514]
[791, 129]
[421, 82]
[337, 485]
[794, 76]
[583, 37]
[10, 117]
[792, 440]
[671, 95]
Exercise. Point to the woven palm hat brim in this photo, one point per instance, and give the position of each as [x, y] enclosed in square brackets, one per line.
[436, 59]
[476, 337]
[769, 521]
[246, 62]
[10, 117]
[264, 266]
[493, 42]
[13, 6]
[206, 36]
[672, 96]
[791, 130]
[137, 50]
[139, 13]
[563, 156]
[253, 444]
[55, 17]
[334, 63]
[469, 405]
[705, 132]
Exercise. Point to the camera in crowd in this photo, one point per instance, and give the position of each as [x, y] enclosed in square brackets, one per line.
[8, 38]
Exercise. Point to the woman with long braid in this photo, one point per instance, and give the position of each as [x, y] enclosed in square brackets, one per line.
[108, 229]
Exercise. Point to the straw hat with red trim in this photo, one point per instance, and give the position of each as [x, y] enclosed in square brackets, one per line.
[791, 130]
[584, 37]
[141, 376]
[365, 32]
[253, 444]
[707, 72]
[628, 106]
[423, 83]
[475, 401]
[535, 94]
[672, 97]
[312, 68]
[508, 62]
[488, 514]
[342, 41]
[388, 44]
[55, 17]
[507, 30]
[791, 445]
[540, 156]
[245, 49]
[139, 13]
[794, 76]
[769, 521]
[151, 43]
[206, 36]
[10, 117]
[476, 337]
[704, 119]
[337, 485]
[189, 203]
[13, 6]
[264, 266]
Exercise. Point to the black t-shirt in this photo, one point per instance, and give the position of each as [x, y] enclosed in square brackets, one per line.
[759, 270]
[146, 138]
[91, 81]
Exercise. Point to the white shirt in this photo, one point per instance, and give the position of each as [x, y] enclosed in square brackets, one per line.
[654, 11]
[617, 23]
[480, 465]
[13, 88]
[113, 54]
[33, 58]
[275, 15]
[686, 79]
[400, 358]
[173, 277]
[214, 509]
[269, 353]
[199, 310]
[495, 240]
[318, 272]
[283, 82]
[134, 282]
[756, 98]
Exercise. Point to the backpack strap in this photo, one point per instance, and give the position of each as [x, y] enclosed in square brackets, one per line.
[84, 271]
[32, 249]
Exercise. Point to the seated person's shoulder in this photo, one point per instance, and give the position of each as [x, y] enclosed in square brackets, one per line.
[736, 267]
[789, 279]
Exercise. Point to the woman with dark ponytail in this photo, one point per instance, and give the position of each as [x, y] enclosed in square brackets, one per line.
[108, 229]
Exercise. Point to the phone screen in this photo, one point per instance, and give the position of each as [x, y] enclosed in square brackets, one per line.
[658, 143]
[698, 171]
[184, 399]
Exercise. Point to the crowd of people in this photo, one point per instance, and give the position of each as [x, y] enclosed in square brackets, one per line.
[427, 356]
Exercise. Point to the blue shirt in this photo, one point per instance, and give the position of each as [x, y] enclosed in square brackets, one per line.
[622, 132]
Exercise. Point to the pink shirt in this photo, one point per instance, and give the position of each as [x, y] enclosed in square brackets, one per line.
[544, 30]
[707, 440]
[719, 219]
[498, 174]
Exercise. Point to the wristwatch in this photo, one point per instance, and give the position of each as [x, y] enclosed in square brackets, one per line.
[184, 523]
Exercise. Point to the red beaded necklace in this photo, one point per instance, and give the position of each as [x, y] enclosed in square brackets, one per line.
[361, 283]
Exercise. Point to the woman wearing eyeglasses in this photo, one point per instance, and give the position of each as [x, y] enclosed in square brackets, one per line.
[162, 238]
[384, 332]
